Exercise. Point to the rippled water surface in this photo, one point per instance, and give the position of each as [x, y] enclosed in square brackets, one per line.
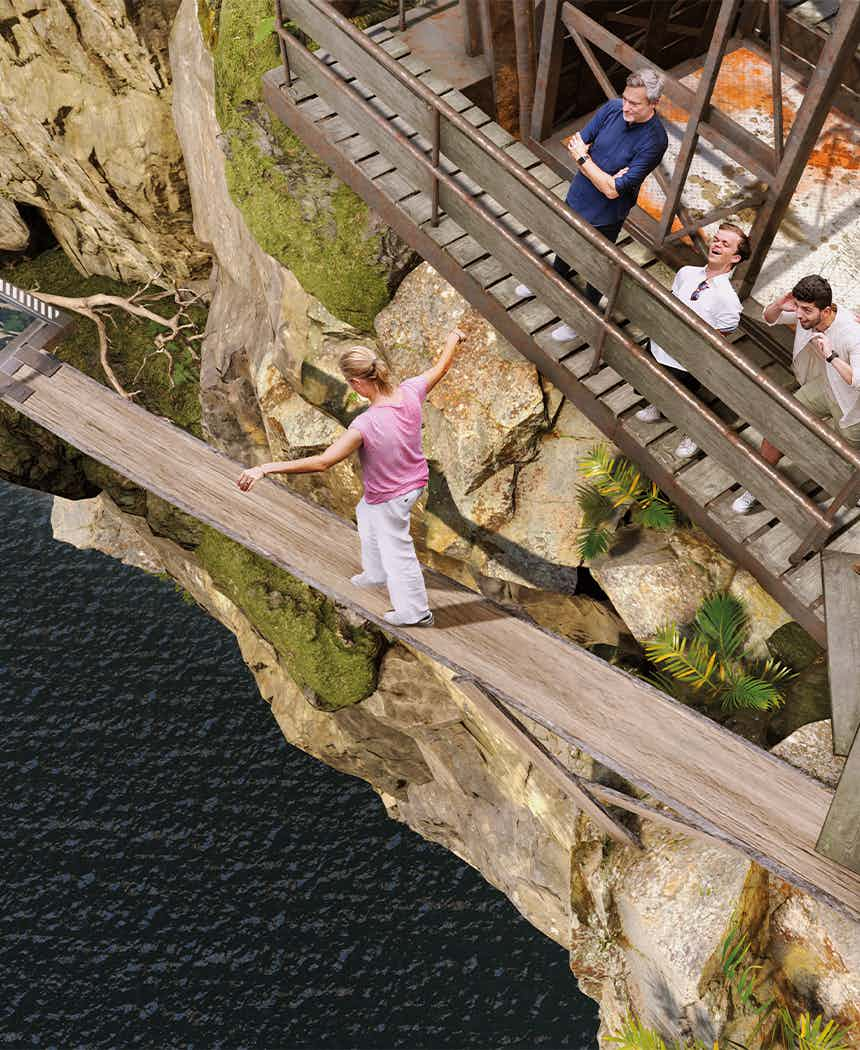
[176, 875]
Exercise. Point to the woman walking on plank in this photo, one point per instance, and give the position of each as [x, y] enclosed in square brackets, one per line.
[388, 439]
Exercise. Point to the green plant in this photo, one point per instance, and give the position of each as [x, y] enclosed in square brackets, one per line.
[811, 1033]
[712, 660]
[635, 1036]
[615, 488]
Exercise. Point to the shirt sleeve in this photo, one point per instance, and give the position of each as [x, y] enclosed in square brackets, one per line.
[641, 166]
[589, 132]
[728, 318]
[854, 361]
[786, 317]
[418, 384]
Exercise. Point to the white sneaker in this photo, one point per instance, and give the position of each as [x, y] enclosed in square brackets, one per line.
[649, 414]
[398, 620]
[743, 503]
[523, 290]
[363, 580]
[686, 449]
[564, 333]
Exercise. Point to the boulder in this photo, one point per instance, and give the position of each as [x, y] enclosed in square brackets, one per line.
[810, 748]
[94, 147]
[14, 234]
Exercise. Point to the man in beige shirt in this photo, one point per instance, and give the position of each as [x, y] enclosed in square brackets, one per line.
[826, 361]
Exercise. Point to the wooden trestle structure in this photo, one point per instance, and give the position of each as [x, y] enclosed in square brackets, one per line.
[487, 213]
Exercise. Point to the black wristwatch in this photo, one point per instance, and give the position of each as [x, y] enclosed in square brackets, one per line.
[829, 359]
[581, 160]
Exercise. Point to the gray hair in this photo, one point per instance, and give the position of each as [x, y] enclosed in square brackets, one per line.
[651, 81]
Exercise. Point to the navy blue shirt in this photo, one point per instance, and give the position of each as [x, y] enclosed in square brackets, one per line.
[615, 144]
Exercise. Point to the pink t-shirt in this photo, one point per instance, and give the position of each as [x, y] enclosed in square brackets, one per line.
[391, 455]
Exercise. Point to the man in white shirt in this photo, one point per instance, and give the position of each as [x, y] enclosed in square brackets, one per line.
[708, 291]
[826, 362]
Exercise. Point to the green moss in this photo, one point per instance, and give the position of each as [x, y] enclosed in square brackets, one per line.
[131, 340]
[295, 208]
[335, 663]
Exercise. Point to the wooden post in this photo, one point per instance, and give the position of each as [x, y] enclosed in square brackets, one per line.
[823, 84]
[548, 71]
[775, 13]
[840, 574]
[524, 35]
[473, 43]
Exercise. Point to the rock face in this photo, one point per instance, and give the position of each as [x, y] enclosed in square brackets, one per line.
[644, 930]
[94, 146]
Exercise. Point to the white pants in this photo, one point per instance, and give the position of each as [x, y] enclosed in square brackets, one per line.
[388, 553]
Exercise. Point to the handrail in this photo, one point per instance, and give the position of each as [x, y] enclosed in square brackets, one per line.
[602, 320]
[586, 230]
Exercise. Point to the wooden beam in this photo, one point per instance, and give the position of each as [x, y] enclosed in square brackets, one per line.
[548, 71]
[725, 133]
[840, 575]
[840, 835]
[835, 57]
[753, 201]
[473, 43]
[501, 719]
[525, 45]
[700, 109]
[775, 18]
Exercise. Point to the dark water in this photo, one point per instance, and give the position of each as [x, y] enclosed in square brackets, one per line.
[175, 875]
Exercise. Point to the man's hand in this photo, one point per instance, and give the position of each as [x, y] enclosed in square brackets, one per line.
[618, 174]
[821, 345]
[787, 303]
[249, 477]
[577, 146]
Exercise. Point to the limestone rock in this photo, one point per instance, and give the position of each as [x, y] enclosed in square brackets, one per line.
[98, 524]
[653, 578]
[296, 429]
[765, 615]
[14, 234]
[810, 748]
[94, 147]
[490, 410]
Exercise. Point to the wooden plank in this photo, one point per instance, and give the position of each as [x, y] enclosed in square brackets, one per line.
[504, 722]
[704, 772]
[361, 63]
[351, 107]
[840, 836]
[699, 424]
[841, 581]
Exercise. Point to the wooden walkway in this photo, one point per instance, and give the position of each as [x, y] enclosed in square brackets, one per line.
[719, 784]
[351, 126]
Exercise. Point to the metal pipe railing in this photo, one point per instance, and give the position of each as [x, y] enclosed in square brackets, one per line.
[586, 230]
[602, 321]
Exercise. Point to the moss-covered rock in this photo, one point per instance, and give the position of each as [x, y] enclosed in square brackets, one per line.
[334, 662]
[298, 212]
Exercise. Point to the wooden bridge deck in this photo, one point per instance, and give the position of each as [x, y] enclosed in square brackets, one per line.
[719, 783]
[705, 487]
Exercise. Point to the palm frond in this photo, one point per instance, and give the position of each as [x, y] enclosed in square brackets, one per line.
[592, 542]
[634, 1036]
[743, 690]
[772, 670]
[597, 463]
[723, 623]
[812, 1033]
[655, 514]
[595, 506]
[691, 661]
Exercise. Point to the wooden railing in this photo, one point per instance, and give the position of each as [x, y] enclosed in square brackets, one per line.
[448, 155]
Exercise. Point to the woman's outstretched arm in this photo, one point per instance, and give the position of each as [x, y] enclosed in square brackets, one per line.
[338, 450]
[434, 374]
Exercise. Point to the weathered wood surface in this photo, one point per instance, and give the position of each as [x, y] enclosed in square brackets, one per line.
[840, 837]
[841, 574]
[763, 806]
